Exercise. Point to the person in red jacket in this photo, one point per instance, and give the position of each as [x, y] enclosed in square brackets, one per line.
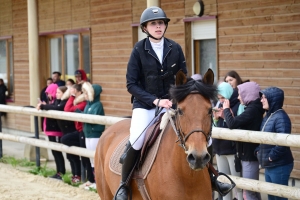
[75, 102]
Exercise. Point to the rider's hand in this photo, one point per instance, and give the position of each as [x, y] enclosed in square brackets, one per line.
[165, 103]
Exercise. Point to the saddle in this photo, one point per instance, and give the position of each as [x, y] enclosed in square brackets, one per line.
[149, 151]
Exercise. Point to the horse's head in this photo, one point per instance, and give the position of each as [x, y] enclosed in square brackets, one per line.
[193, 118]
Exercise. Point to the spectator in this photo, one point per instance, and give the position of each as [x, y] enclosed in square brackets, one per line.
[225, 150]
[70, 82]
[51, 128]
[56, 79]
[250, 119]
[80, 76]
[43, 95]
[3, 90]
[92, 132]
[75, 102]
[234, 79]
[277, 160]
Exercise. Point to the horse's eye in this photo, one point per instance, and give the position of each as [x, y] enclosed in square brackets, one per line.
[210, 111]
[180, 111]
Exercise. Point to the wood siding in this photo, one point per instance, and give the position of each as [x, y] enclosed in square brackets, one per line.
[260, 40]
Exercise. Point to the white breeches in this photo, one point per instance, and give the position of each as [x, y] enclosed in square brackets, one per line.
[139, 121]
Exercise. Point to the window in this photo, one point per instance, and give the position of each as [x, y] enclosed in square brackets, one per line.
[205, 55]
[204, 46]
[69, 52]
[6, 65]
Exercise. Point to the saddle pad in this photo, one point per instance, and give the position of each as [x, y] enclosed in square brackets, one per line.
[116, 167]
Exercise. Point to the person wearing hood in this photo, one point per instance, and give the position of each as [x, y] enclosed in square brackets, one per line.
[80, 76]
[92, 132]
[75, 102]
[277, 160]
[225, 150]
[50, 125]
[250, 119]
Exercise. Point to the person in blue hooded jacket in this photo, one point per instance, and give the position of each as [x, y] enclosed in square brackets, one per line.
[92, 132]
[277, 160]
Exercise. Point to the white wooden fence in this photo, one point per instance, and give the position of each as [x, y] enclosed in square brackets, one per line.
[220, 133]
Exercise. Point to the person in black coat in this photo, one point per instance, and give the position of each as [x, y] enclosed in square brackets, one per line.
[51, 128]
[277, 160]
[3, 90]
[250, 119]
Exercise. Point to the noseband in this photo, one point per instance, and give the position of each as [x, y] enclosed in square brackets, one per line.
[182, 138]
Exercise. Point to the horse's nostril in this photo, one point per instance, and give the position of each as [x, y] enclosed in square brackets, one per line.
[207, 157]
[191, 159]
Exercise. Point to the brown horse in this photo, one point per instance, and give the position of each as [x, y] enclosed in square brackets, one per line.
[177, 173]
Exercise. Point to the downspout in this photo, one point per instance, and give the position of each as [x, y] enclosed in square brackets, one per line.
[33, 55]
[153, 3]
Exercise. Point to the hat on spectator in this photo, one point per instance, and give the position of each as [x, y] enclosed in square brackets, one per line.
[197, 77]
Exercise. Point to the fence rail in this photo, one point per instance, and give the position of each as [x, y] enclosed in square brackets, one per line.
[292, 140]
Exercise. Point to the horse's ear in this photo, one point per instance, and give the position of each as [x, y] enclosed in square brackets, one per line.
[209, 77]
[180, 78]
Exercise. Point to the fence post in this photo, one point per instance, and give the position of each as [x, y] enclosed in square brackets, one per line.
[36, 130]
[37, 149]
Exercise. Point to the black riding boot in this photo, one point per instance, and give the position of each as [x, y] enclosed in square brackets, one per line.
[222, 188]
[128, 159]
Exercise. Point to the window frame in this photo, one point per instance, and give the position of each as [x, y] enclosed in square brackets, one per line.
[9, 57]
[61, 34]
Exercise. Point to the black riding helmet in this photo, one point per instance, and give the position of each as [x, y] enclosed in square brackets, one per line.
[150, 14]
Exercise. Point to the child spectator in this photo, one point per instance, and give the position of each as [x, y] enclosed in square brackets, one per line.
[92, 132]
[277, 160]
[70, 82]
[80, 76]
[51, 128]
[75, 102]
[225, 150]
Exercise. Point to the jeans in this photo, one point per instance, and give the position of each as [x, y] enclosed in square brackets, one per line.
[250, 170]
[278, 175]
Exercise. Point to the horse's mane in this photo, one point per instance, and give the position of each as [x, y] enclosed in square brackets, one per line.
[178, 93]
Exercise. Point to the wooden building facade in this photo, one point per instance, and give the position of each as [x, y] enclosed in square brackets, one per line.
[258, 39]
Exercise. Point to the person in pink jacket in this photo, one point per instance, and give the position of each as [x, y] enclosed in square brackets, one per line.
[51, 128]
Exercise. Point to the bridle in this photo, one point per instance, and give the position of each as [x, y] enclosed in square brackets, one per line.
[175, 123]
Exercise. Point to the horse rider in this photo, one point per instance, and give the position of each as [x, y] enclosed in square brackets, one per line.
[153, 63]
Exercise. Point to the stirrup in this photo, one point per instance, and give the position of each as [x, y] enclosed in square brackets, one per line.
[125, 187]
[232, 184]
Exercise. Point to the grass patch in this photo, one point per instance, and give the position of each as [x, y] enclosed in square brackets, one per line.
[42, 171]
[16, 162]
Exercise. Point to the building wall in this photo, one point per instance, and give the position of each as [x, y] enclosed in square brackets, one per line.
[258, 39]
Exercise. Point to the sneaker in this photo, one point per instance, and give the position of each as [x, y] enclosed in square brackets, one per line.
[56, 176]
[76, 179]
[92, 186]
[88, 183]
